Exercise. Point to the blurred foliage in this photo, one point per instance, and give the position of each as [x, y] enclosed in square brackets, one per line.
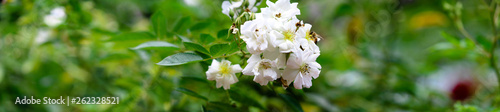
[377, 55]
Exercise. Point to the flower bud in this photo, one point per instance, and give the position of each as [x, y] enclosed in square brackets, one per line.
[231, 13]
[235, 30]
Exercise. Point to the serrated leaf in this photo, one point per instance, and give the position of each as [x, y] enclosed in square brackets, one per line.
[206, 39]
[195, 47]
[191, 93]
[155, 44]
[291, 102]
[244, 99]
[219, 49]
[132, 36]
[222, 34]
[159, 23]
[179, 59]
[200, 26]
[181, 24]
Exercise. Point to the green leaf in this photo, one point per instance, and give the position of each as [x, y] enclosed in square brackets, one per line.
[2, 73]
[159, 23]
[441, 46]
[181, 24]
[206, 39]
[200, 26]
[244, 99]
[487, 44]
[196, 47]
[219, 49]
[234, 48]
[220, 107]
[133, 36]
[450, 38]
[183, 38]
[344, 9]
[294, 104]
[191, 93]
[179, 59]
[155, 45]
[222, 34]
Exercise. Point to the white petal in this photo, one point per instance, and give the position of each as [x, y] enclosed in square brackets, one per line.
[248, 69]
[307, 83]
[289, 75]
[260, 79]
[314, 72]
[298, 81]
[312, 57]
[270, 74]
[293, 62]
[236, 4]
[235, 68]
[314, 65]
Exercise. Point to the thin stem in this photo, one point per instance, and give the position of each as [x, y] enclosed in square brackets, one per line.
[464, 32]
[228, 96]
[494, 17]
[223, 56]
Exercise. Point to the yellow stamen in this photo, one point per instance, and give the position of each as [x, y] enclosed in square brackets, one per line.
[224, 68]
[289, 35]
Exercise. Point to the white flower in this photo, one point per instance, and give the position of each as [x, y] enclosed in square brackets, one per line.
[274, 54]
[42, 36]
[301, 67]
[282, 10]
[457, 81]
[285, 36]
[56, 17]
[264, 70]
[252, 5]
[255, 33]
[223, 73]
[306, 39]
[228, 6]
[192, 2]
[235, 30]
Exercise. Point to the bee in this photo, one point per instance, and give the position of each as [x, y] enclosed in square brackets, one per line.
[315, 37]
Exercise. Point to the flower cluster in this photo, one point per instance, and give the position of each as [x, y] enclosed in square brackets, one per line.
[233, 8]
[281, 46]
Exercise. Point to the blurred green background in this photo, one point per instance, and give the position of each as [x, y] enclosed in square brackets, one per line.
[376, 55]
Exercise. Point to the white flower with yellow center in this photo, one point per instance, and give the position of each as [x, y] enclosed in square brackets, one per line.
[282, 10]
[306, 39]
[301, 67]
[223, 73]
[255, 33]
[264, 70]
[285, 36]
